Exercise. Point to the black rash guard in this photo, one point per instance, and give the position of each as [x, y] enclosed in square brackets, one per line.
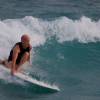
[21, 53]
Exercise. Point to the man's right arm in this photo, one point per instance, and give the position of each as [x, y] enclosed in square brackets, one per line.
[14, 58]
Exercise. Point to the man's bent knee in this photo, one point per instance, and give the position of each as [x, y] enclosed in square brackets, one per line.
[26, 55]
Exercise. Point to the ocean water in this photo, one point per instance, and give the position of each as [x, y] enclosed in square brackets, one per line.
[65, 36]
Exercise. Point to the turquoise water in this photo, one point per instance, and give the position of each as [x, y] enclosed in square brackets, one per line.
[65, 35]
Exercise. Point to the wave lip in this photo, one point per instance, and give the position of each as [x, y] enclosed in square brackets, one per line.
[83, 30]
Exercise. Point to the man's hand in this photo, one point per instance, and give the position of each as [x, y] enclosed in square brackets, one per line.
[12, 72]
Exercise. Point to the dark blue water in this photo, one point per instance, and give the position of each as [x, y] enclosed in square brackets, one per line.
[65, 35]
[49, 8]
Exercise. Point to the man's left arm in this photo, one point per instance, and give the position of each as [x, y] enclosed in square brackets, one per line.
[30, 54]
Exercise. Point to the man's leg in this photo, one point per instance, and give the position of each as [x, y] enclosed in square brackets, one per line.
[6, 63]
[24, 59]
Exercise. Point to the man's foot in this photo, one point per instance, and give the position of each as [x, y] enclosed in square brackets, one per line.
[2, 62]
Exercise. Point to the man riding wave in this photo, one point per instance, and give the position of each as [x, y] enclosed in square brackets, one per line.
[19, 54]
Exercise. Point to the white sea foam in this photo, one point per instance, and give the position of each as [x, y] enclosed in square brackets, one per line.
[83, 30]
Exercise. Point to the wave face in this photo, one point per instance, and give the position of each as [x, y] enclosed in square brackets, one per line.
[65, 52]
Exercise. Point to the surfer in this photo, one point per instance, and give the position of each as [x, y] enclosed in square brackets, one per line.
[19, 54]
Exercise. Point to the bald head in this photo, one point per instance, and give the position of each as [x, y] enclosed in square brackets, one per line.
[25, 37]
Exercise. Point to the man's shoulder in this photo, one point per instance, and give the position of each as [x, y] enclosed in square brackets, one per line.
[18, 43]
[16, 47]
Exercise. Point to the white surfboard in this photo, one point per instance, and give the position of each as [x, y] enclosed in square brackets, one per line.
[31, 80]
